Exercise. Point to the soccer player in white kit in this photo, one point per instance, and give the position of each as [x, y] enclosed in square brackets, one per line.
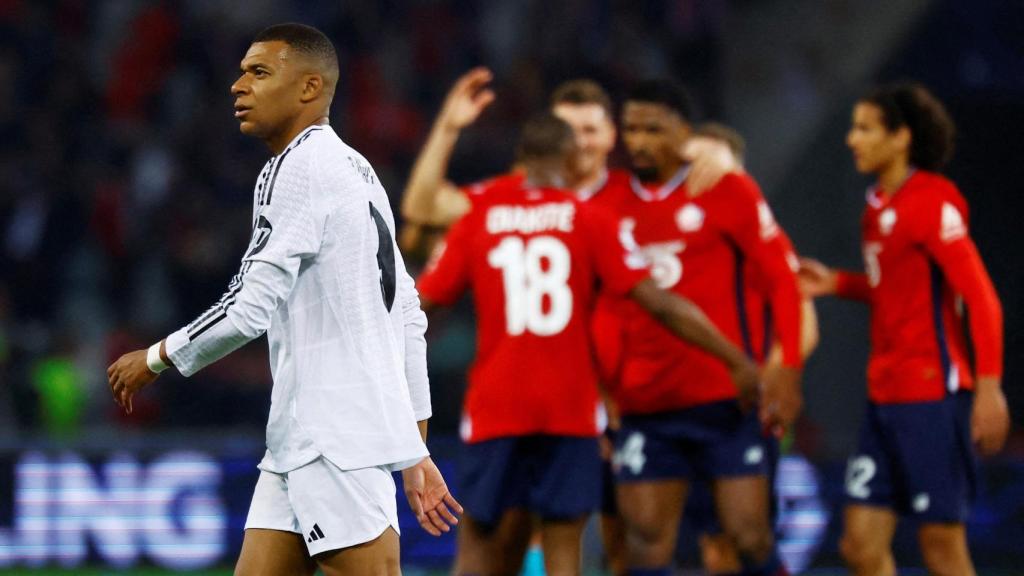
[323, 277]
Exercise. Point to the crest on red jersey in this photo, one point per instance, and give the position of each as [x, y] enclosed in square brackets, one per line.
[690, 218]
[886, 221]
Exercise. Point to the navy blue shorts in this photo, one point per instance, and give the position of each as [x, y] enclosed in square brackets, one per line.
[704, 442]
[916, 459]
[556, 477]
[700, 512]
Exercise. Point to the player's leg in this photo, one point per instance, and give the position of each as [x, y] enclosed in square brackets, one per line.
[944, 549]
[652, 472]
[271, 552]
[866, 544]
[613, 531]
[651, 511]
[492, 549]
[736, 458]
[494, 480]
[562, 542]
[742, 503]
[613, 537]
[870, 514]
[939, 464]
[718, 555]
[378, 557]
[273, 543]
[565, 492]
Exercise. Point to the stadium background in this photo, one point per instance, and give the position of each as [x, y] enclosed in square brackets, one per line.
[125, 199]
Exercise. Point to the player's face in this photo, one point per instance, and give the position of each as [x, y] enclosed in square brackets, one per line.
[653, 135]
[874, 146]
[595, 135]
[267, 92]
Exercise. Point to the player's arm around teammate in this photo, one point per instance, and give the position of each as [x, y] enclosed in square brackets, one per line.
[432, 202]
[919, 258]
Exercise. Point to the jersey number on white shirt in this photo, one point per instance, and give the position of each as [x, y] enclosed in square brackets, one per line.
[385, 259]
[528, 283]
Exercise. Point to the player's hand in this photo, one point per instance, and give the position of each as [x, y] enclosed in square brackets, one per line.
[781, 398]
[709, 160]
[746, 378]
[816, 279]
[467, 99]
[429, 497]
[128, 375]
[990, 419]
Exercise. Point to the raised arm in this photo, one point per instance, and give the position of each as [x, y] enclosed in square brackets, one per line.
[429, 198]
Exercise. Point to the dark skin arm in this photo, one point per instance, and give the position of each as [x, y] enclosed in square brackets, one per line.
[130, 373]
[689, 323]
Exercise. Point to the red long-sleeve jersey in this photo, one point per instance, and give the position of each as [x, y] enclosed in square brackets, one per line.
[703, 248]
[920, 261]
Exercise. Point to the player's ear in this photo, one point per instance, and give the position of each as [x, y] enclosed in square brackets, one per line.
[312, 87]
[902, 137]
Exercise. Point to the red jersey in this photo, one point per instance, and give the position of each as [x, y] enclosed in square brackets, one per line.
[533, 258]
[919, 258]
[699, 247]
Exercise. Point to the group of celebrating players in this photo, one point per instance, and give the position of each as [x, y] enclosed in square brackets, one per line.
[656, 319]
[624, 314]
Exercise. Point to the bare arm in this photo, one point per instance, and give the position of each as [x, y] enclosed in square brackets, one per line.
[430, 199]
[689, 323]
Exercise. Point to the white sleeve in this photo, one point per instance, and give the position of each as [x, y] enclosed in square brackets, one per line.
[415, 346]
[285, 233]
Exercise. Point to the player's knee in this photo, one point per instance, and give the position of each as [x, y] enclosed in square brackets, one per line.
[753, 541]
[649, 545]
[859, 550]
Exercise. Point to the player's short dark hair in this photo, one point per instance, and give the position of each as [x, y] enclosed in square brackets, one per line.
[932, 131]
[305, 39]
[668, 93]
[582, 91]
[544, 136]
[730, 136]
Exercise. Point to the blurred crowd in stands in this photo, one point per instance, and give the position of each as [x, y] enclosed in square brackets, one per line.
[125, 187]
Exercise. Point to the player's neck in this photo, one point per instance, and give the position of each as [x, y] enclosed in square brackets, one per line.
[892, 177]
[544, 179]
[278, 143]
[666, 173]
[592, 180]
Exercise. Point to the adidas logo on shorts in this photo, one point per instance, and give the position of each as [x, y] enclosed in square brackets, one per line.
[315, 534]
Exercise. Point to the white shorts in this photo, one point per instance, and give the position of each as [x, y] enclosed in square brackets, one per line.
[331, 508]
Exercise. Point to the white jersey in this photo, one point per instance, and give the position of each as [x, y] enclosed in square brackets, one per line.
[324, 279]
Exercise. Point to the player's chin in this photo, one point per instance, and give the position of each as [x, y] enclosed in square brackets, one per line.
[864, 166]
[248, 127]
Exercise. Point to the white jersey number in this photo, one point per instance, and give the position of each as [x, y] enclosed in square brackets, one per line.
[528, 283]
[859, 472]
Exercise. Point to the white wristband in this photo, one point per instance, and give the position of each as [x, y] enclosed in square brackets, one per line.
[153, 359]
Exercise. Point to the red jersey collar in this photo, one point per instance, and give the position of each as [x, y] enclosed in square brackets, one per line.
[877, 198]
[588, 192]
[664, 191]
